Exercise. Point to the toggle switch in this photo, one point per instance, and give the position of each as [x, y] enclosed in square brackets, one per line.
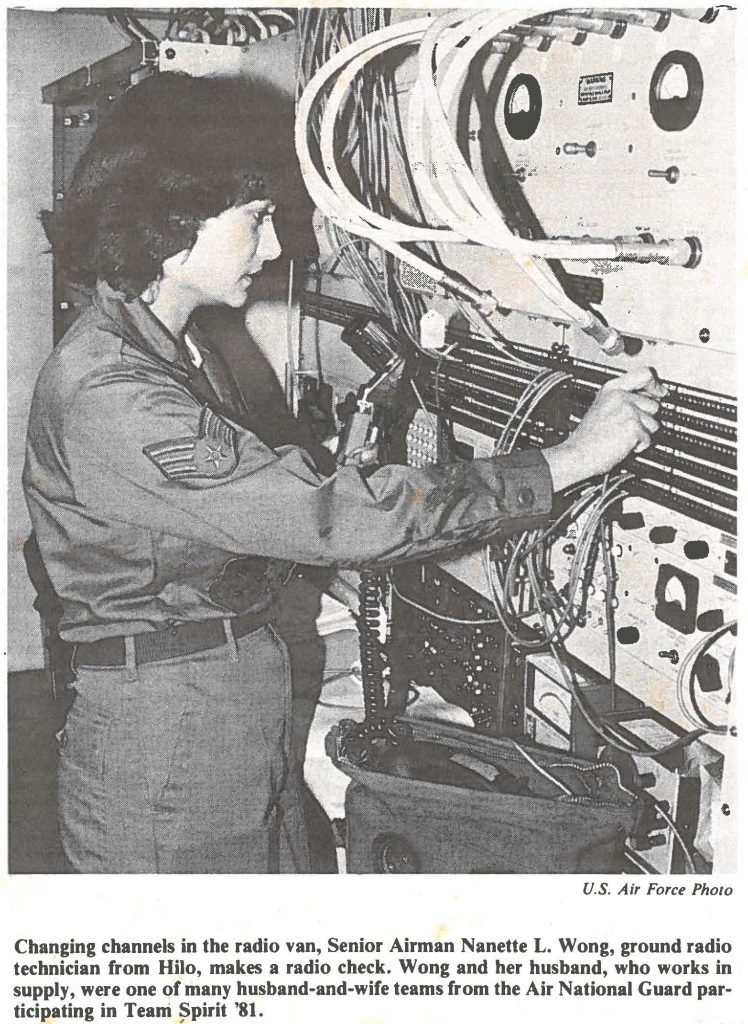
[672, 656]
[575, 148]
[671, 175]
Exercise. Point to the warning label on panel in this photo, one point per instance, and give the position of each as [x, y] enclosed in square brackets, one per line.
[596, 88]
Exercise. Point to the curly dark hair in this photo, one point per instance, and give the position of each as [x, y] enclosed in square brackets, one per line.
[170, 153]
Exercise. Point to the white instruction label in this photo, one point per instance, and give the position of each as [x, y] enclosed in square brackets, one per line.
[596, 88]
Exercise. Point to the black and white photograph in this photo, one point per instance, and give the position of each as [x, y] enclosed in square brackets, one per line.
[372, 474]
[372, 497]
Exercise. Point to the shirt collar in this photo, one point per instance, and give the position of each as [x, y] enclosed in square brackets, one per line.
[138, 324]
[195, 353]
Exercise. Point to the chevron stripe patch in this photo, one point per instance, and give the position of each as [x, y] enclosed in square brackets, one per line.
[211, 454]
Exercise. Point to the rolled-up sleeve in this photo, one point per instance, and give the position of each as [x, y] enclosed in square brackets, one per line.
[274, 503]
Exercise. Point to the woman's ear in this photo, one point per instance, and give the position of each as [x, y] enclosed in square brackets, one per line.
[151, 293]
[171, 263]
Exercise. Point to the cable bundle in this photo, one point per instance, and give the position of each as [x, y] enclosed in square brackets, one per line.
[371, 143]
[523, 591]
[351, 148]
[450, 203]
[454, 196]
[685, 685]
[519, 577]
[229, 27]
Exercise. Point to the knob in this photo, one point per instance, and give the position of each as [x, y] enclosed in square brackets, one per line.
[628, 635]
[696, 549]
[707, 673]
[662, 534]
[710, 620]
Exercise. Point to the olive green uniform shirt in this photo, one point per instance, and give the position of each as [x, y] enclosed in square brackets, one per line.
[140, 492]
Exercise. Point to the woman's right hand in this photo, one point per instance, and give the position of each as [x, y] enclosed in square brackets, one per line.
[620, 421]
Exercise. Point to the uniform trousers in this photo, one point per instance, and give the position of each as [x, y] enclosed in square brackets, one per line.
[185, 765]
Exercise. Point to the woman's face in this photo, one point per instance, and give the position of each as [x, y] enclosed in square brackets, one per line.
[230, 249]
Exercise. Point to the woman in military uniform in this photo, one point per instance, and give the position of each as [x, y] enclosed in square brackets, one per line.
[159, 512]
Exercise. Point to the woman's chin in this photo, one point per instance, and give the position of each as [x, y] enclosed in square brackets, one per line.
[241, 292]
[238, 296]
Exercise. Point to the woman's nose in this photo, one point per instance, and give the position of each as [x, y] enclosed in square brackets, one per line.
[268, 247]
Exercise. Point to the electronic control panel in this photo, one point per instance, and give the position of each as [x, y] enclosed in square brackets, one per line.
[582, 125]
[613, 125]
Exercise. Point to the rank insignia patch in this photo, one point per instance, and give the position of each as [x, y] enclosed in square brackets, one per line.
[211, 453]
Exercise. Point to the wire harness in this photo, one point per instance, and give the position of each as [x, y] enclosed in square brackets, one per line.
[343, 57]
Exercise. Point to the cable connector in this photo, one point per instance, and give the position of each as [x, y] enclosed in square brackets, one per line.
[673, 252]
[484, 302]
[608, 338]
